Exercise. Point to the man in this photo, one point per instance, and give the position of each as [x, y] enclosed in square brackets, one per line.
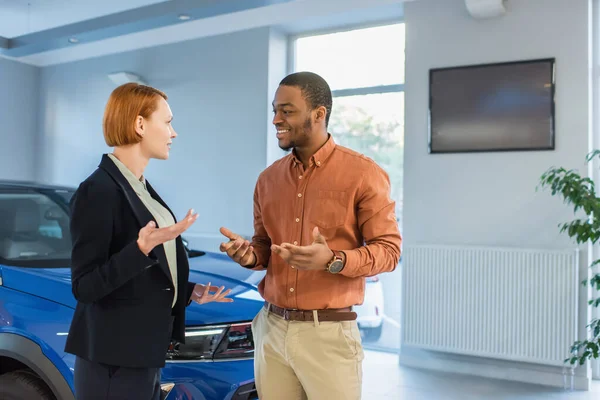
[323, 221]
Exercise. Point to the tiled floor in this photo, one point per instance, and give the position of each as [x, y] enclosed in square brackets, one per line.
[384, 379]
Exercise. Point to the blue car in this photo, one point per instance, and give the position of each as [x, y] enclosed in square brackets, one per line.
[36, 307]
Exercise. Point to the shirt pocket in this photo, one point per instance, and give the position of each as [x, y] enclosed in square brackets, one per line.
[330, 209]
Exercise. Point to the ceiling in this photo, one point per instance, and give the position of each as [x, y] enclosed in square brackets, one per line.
[47, 32]
[21, 17]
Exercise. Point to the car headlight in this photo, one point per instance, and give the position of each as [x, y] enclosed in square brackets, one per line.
[214, 343]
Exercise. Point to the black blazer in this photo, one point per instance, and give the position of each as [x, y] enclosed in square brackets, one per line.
[124, 314]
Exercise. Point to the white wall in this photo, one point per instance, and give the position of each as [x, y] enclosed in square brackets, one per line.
[18, 119]
[278, 68]
[489, 198]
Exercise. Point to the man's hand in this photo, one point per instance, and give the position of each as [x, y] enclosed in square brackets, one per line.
[315, 256]
[202, 295]
[238, 248]
[150, 236]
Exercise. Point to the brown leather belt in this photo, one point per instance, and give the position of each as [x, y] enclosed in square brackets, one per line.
[338, 314]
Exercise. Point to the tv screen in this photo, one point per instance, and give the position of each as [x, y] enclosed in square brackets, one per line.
[492, 107]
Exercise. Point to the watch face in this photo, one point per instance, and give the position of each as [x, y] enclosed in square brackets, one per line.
[336, 266]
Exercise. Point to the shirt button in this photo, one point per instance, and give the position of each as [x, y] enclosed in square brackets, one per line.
[293, 266]
[291, 289]
[295, 242]
[299, 194]
[297, 219]
[300, 177]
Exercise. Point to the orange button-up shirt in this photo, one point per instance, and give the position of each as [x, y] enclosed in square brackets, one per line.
[346, 195]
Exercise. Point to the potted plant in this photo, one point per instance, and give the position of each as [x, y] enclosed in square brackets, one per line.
[580, 193]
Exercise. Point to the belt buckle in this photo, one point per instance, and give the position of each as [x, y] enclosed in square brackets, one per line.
[286, 314]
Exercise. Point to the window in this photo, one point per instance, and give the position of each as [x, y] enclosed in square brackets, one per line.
[65, 195]
[361, 58]
[34, 229]
[365, 70]
[373, 124]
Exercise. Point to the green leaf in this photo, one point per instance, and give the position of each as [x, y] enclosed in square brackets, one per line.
[593, 348]
[573, 360]
[591, 155]
[579, 193]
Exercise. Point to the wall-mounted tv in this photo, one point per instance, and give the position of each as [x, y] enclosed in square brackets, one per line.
[505, 106]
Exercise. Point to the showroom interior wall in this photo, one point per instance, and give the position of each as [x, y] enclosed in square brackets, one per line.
[217, 88]
[19, 86]
[489, 199]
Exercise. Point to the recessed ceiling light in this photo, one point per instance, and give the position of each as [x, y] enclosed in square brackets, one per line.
[184, 17]
[73, 40]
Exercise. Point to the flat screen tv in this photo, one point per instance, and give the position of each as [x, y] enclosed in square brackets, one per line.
[505, 106]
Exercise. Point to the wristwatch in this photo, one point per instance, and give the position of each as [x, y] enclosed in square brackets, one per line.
[336, 265]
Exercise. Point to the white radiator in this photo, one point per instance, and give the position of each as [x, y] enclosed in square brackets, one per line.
[511, 304]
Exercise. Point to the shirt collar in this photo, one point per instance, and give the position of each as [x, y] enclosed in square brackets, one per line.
[321, 155]
[137, 184]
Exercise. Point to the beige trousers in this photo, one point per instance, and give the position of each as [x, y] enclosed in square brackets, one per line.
[306, 360]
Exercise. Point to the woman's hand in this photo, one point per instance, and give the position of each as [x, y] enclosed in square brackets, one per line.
[202, 295]
[150, 236]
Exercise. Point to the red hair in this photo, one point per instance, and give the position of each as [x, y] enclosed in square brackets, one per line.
[122, 109]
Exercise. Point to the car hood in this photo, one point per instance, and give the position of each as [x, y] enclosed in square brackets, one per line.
[54, 284]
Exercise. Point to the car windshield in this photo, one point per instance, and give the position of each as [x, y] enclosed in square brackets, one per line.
[34, 228]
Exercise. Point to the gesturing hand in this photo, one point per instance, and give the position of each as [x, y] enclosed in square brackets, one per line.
[238, 248]
[150, 236]
[202, 295]
[315, 256]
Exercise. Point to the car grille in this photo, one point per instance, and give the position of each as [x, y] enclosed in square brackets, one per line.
[246, 392]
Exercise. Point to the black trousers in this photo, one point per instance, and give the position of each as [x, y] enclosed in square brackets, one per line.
[95, 381]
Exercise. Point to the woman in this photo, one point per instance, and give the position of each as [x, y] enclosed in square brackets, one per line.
[129, 266]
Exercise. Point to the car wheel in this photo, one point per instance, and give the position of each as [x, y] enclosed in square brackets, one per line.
[23, 385]
[370, 335]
